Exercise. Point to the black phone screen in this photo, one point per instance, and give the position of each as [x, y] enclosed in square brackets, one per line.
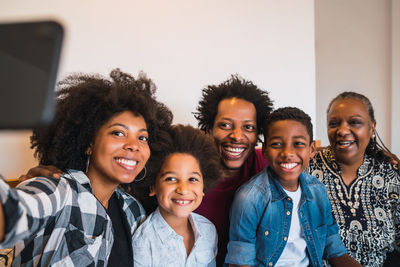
[29, 58]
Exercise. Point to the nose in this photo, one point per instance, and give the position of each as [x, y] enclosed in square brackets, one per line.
[131, 144]
[237, 134]
[182, 188]
[342, 129]
[287, 151]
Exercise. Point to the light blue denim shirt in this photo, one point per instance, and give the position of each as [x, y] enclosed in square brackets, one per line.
[155, 243]
[261, 216]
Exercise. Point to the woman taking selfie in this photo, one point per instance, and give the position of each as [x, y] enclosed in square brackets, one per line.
[100, 138]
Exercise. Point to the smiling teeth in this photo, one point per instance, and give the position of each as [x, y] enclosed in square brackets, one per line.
[127, 162]
[182, 202]
[234, 149]
[288, 165]
[345, 143]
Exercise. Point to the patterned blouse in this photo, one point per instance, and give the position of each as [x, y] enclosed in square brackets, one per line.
[368, 210]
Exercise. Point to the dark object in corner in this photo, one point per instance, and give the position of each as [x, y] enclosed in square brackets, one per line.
[29, 57]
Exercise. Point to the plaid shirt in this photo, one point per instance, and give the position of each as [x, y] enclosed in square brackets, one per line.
[61, 221]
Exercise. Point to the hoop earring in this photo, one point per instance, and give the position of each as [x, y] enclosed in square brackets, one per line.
[144, 175]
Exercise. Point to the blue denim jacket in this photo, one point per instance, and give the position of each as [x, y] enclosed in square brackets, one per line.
[261, 216]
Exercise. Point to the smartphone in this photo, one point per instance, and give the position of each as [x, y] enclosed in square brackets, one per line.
[29, 59]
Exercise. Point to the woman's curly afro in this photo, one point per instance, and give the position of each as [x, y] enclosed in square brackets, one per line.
[86, 102]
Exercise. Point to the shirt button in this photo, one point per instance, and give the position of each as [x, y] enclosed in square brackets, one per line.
[288, 213]
[270, 264]
[285, 238]
[266, 232]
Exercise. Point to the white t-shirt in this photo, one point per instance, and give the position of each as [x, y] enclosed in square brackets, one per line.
[294, 253]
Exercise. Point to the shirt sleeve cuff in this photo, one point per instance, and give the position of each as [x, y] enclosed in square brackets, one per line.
[241, 253]
[334, 247]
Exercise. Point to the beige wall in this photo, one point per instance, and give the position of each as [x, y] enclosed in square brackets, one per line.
[16, 157]
[395, 122]
[353, 52]
[183, 46]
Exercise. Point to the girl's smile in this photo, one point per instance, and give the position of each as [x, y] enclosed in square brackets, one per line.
[179, 187]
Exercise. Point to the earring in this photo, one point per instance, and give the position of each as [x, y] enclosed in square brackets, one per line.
[88, 152]
[373, 136]
[144, 175]
[87, 164]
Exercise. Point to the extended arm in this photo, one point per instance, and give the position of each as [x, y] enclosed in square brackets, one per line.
[26, 210]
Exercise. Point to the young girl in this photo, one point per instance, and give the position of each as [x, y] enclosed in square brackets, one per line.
[173, 235]
[100, 139]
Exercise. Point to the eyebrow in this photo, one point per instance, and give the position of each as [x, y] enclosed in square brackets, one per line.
[230, 119]
[354, 116]
[358, 116]
[280, 137]
[172, 172]
[124, 126]
[300, 136]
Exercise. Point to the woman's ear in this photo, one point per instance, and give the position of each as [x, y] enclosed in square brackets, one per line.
[373, 127]
[89, 150]
[152, 191]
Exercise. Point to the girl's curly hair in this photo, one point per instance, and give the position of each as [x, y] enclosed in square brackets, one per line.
[187, 140]
[233, 87]
[86, 102]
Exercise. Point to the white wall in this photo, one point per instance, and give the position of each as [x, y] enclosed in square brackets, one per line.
[395, 76]
[183, 46]
[353, 52]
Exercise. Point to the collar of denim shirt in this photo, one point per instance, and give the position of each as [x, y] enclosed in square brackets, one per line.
[277, 192]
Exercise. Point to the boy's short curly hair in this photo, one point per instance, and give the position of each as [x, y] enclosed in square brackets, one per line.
[86, 102]
[187, 140]
[233, 87]
[289, 113]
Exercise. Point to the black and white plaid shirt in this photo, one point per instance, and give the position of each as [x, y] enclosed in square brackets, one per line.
[61, 221]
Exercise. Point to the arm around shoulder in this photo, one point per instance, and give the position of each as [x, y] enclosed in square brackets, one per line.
[2, 223]
[344, 260]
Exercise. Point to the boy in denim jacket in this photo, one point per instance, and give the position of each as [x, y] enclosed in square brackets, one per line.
[282, 216]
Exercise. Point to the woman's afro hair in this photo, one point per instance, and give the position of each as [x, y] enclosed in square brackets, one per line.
[86, 102]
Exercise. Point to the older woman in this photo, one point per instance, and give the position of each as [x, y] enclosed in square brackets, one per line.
[363, 187]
